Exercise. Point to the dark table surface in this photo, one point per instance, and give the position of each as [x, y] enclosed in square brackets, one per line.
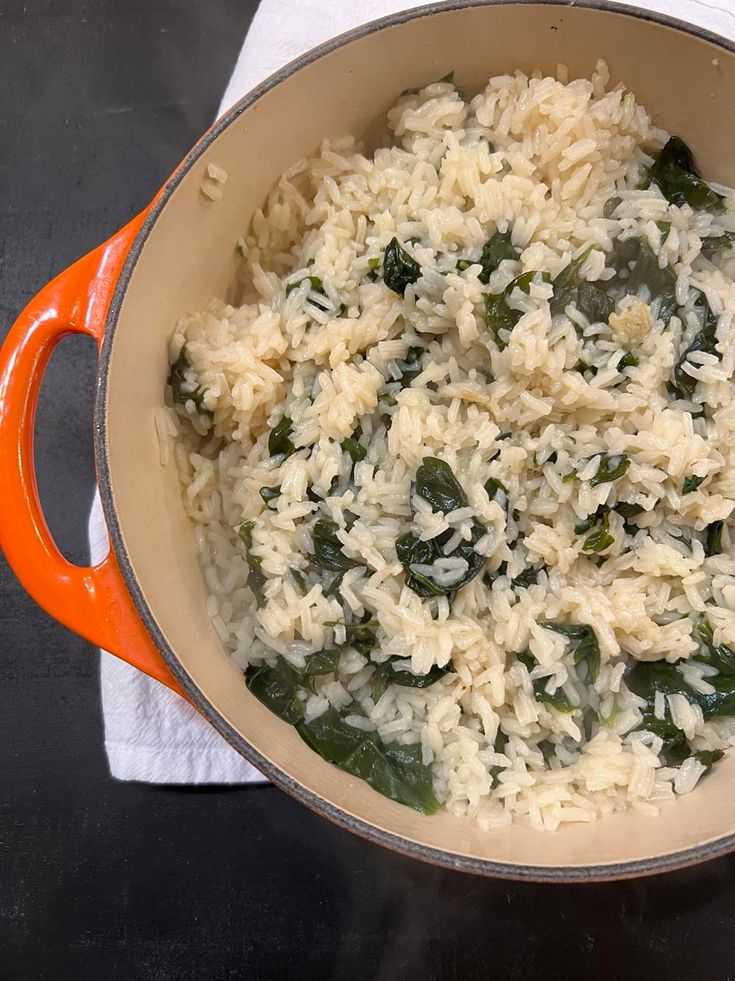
[98, 879]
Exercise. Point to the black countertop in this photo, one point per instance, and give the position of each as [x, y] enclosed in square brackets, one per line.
[99, 879]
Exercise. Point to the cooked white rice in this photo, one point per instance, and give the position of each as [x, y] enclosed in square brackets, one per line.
[541, 157]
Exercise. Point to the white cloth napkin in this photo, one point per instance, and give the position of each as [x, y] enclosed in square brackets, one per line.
[151, 734]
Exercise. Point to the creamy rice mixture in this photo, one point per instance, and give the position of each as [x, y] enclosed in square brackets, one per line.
[460, 463]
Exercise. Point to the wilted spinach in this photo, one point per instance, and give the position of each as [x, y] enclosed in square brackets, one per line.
[627, 512]
[353, 448]
[497, 491]
[718, 243]
[497, 248]
[436, 483]
[558, 700]
[705, 340]
[637, 268]
[660, 283]
[529, 577]
[591, 300]
[718, 656]
[269, 494]
[399, 268]
[317, 286]
[691, 483]
[611, 206]
[411, 367]
[279, 438]
[395, 771]
[412, 551]
[328, 552]
[360, 635]
[583, 640]
[664, 228]
[322, 662]
[374, 269]
[256, 577]
[713, 543]
[178, 382]
[582, 367]
[679, 180]
[392, 673]
[594, 303]
[628, 360]
[600, 539]
[648, 677]
[277, 688]
[591, 520]
[498, 315]
[610, 468]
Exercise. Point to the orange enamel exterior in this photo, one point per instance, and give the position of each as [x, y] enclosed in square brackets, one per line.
[93, 602]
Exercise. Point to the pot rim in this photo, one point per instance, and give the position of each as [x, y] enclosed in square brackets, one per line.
[434, 856]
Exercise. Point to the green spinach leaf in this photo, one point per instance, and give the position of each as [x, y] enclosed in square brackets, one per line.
[361, 636]
[436, 483]
[558, 700]
[591, 520]
[705, 340]
[718, 243]
[713, 544]
[611, 206]
[497, 491]
[691, 483]
[500, 318]
[529, 577]
[594, 303]
[277, 688]
[392, 673]
[718, 656]
[678, 179]
[399, 268]
[269, 494]
[660, 283]
[497, 248]
[637, 269]
[395, 771]
[412, 551]
[600, 539]
[317, 286]
[256, 577]
[355, 450]
[648, 677]
[583, 640]
[322, 662]
[328, 552]
[180, 386]
[279, 439]
[628, 360]
[567, 281]
[610, 468]
[411, 366]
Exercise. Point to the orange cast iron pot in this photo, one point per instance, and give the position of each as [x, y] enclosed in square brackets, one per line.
[146, 601]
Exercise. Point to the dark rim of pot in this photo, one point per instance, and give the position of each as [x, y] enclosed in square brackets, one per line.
[435, 856]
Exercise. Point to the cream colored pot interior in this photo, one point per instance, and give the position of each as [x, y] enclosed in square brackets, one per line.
[687, 83]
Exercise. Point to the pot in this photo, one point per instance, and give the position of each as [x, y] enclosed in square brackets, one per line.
[146, 600]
